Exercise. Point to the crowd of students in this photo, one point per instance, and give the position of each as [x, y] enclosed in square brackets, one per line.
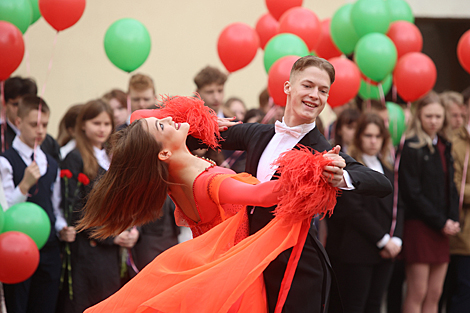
[367, 238]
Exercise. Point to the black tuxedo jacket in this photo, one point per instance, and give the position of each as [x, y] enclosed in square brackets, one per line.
[358, 223]
[311, 284]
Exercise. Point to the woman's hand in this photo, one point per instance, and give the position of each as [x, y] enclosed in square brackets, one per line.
[451, 228]
[127, 238]
[226, 122]
[67, 234]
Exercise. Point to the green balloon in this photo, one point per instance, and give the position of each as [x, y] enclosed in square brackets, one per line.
[342, 31]
[2, 218]
[400, 11]
[283, 45]
[127, 44]
[376, 56]
[370, 16]
[396, 122]
[35, 10]
[28, 218]
[369, 91]
[17, 12]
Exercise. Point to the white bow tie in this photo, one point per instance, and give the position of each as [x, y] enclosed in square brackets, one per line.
[295, 131]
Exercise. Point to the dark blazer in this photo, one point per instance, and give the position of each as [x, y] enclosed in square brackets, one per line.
[423, 193]
[311, 284]
[358, 223]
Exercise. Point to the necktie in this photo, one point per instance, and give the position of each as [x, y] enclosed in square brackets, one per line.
[295, 131]
[32, 156]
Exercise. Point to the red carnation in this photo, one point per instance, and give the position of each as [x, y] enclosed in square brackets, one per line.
[65, 173]
[83, 179]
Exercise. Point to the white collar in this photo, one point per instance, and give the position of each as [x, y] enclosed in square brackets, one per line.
[15, 129]
[102, 157]
[372, 162]
[304, 128]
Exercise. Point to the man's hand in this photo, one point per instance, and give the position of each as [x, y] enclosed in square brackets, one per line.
[451, 228]
[334, 172]
[390, 250]
[127, 238]
[226, 122]
[30, 178]
[67, 234]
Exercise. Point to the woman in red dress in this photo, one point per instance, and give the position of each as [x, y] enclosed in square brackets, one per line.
[220, 270]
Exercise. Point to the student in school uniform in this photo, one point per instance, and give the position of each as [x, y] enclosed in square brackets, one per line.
[33, 176]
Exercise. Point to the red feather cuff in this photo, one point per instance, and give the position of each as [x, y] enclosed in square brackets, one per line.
[202, 119]
[306, 191]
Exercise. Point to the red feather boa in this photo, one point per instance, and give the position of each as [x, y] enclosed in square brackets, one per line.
[306, 191]
[201, 118]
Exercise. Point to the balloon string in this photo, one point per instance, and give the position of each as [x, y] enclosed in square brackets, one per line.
[394, 93]
[26, 55]
[395, 182]
[4, 119]
[50, 65]
[381, 94]
[369, 87]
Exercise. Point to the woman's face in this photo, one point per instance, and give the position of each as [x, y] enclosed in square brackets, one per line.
[120, 113]
[170, 134]
[238, 109]
[371, 140]
[432, 118]
[347, 133]
[98, 129]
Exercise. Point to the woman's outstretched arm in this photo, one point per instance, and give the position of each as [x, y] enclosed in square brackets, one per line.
[264, 194]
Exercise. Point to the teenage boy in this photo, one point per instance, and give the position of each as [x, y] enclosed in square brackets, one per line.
[210, 83]
[307, 93]
[34, 177]
[16, 88]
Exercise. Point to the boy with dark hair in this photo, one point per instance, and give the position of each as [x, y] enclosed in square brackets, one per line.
[33, 176]
[210, 86]
[16, 88]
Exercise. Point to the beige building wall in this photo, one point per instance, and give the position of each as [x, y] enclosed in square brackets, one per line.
[184, 39]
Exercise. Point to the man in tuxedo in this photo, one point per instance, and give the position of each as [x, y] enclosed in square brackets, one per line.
[307, 93]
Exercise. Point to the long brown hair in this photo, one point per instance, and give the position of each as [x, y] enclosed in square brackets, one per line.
[362, 123]
[416, 129]
[134, 188]
[91, 110]
[68, 121]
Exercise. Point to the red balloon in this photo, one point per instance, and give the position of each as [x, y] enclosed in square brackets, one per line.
[11, 49]
[347, 82]
[267, 28]
[325, 47]
[278, 74]
[406, 37]
[19, 257]
[463, 51]
[278, 7]
[303, 23]
[237, 46]
[414, 76]
[61, 14]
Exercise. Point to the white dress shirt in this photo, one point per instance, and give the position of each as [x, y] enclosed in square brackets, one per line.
[14, 195]
[102, 158]
[67, 148]
[284, 140]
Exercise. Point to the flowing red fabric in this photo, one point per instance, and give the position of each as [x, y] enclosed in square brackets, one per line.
[213, 274]
[191, 110]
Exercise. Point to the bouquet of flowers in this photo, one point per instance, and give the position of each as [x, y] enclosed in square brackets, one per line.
[68, 205]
